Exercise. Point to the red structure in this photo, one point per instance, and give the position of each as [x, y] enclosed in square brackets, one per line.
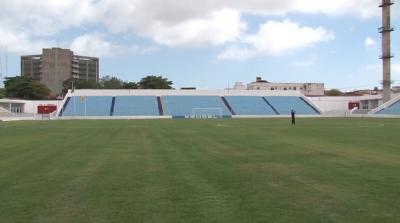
[354, 105]
[46, 109]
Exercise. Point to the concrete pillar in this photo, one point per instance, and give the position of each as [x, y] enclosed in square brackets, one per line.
[386, 29]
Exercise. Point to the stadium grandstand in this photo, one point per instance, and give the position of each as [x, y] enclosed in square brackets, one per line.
[391, 108]
[164, 104]
[4, 112]
[183, 104]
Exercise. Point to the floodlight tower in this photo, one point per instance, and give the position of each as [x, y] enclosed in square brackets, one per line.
[386, 57]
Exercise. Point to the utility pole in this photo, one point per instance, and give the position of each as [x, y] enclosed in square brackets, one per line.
[386, 57]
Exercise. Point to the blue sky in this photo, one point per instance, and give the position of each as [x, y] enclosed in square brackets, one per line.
[208, 44]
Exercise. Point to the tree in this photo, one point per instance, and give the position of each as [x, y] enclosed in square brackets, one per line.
[25, 88]
[2, 92]
[334, 92]
[155, 82]
[130, 85]
[79, 84]
[109, 82]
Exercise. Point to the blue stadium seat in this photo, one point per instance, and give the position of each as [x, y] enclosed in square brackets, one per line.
[284, 105]
[249, 105]
[88, 106]
[136, 106]
[394, 109]
[182, 106]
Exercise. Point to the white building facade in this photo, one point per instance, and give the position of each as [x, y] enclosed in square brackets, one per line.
[308, 89]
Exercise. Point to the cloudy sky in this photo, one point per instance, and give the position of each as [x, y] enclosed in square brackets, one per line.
[210, 43]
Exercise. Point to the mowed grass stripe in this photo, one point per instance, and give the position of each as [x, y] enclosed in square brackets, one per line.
[250, 170]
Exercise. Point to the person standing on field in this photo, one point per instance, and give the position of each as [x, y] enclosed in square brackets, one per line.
[293, 114]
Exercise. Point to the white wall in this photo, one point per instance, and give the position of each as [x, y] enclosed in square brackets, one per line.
[310, 89]
[325, 104]
[340, 104]
[31, 106]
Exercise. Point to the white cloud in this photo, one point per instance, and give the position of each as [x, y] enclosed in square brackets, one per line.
[175, 11]
[188, 23]
[147, 50]
[97, 45]
[45, 17]
[370, 43]
[278, 38]
[281, 37]
[92, 45]
[363, 8]
[169, 22]
[21, 42]
[217, 28]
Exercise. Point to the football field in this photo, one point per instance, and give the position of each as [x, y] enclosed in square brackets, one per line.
[230, 170]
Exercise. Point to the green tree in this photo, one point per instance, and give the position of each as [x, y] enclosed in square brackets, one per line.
[109, 82]
[130, 85]
[25, 88]
[2, 92]
[334, 92]
[155, 82]
[79, 84]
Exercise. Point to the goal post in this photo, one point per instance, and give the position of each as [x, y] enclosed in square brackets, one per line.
[204, 113]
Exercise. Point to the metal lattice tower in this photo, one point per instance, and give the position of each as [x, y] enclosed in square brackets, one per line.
[386, 57]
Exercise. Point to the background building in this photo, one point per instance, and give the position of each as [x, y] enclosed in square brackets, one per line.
[239, 86]
[309, 89]
[56, 65]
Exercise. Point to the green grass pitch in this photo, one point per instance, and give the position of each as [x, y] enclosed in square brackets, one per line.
[232, 170]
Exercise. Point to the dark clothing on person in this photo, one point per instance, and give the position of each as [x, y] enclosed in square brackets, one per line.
[293, 113]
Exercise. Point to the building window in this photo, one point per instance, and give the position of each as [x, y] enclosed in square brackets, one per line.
[16, 109]
[374, 104]
[258, 88]
[272, 89]
[365, 105]
[285, 89]
[295, 88]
